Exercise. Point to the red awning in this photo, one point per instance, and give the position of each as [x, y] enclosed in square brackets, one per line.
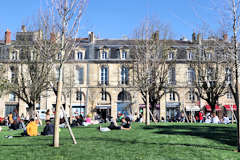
[228, 107]
[208, 107]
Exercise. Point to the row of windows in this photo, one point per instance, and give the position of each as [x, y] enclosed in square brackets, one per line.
[190, 56]
[191, 76]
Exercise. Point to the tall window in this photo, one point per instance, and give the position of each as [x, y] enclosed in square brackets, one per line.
[80, 75]
[104, 95]
[104, 55]
[190, 56]
[79, 55]
[59, 56]
[209, 54]
[57, 73]
[104, 75]
[191, 96]
[12, 97]
[210, 74]
[13, 75]
[124, 55]
[228, 75]
[191, 75]
[170, 56]
[172, 76]
[78, 95]
[229, 95]
[124, 75]
[14, 55]
[172, 96]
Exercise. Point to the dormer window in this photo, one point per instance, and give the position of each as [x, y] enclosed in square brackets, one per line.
[190, 56]
[14, 55]
[124, 55]
[209, 55]
[170, 56]
[104, 55]
[79, 56]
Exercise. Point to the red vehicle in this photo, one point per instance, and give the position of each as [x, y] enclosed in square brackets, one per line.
[1, 120]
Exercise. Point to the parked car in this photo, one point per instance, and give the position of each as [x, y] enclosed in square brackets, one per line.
[2, 120]
[42, 114]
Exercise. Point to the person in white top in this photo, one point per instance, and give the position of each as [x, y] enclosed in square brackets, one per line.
[225, 119]
[215, 119]
[208, 119]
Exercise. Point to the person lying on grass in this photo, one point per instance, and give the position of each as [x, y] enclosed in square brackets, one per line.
[126, 125]
[31, 129]
[48, 129]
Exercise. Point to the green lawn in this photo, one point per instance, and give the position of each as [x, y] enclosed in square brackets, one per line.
[163, 141]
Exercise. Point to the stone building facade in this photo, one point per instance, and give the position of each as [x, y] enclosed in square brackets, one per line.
[100, 79]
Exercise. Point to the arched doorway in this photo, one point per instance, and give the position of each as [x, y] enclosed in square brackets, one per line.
[124, 105]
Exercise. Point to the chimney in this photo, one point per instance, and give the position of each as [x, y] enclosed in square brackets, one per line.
[225, 37]
[91, 37]
[155, 35]
[23, 28]
[199, 38]
[7, 37]
[194, 37]
[52, 37]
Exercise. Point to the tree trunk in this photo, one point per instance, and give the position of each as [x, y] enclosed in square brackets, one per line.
[147, 110]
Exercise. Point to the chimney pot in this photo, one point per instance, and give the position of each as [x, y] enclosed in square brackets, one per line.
[225, 37]
[193, 37]
[23, 28]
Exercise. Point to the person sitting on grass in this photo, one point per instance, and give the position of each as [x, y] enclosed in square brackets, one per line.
[113, 124]
[48, 129]
[126, 123]
[31, 129]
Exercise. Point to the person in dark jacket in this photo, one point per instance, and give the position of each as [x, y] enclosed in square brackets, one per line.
[48, 129]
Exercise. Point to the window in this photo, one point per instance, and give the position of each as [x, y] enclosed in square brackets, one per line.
[12, 97]
[78, 95]
[124, 75]
[104, 95]
[14, 55]
[59, 56]
[104, 75]
[229, 95]
[191, 96]
[210, 74]
[80, 75]
[228, 75]
[209, 54]
[172, 76]
[13, 75]
[104, 55]
[124, 55]
[170, 56]
[190, 56]
[172, 96]
[191, 75]
[79, 55]
[57, 73]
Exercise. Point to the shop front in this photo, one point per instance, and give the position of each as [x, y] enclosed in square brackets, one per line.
[172, 110]
[104, 112]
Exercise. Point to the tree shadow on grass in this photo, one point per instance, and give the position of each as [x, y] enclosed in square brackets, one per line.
[117, 140]
[222, 134]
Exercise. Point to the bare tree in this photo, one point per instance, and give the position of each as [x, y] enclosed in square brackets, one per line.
[151, 62]
[63, 18]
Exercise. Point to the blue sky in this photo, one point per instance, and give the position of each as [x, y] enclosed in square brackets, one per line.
[117, 18]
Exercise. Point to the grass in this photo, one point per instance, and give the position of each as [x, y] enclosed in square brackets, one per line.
[164, 141]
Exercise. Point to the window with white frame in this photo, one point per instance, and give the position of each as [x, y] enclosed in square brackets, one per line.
[228, 75]
[172, 96]
[79, 96]
[79, 75]
[229, 95]
[14, 55]
[209, 54]
[104, 75]
[190, 55]
[191, 96]
[124, 55]
[191, 75]
[104, 55]
[172, 76]
[104, 95]
[59, 56]
[12, 74]
[12, 97]
[210, 75]
[124, 75]
[79, 55]
[170, 56]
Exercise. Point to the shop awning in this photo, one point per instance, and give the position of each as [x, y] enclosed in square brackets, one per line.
[103, 107]
[192, 108]
[228, 107]
[208, 108]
